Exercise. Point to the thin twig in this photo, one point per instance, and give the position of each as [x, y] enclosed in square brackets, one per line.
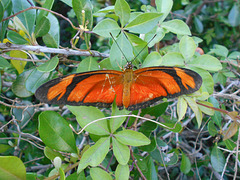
[42, 49]
[135, 162]
[236, 162]
[20, 107]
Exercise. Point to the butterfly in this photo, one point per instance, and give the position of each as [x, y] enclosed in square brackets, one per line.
[133, 89]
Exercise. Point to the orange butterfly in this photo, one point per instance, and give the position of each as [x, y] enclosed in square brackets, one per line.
[133, 89]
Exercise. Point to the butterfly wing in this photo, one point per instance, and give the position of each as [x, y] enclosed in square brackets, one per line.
[96, 88]
[154, 83]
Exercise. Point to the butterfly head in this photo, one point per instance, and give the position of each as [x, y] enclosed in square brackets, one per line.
[129, 65]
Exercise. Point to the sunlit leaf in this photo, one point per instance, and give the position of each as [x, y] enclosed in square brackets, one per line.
[98, 173]
[95, 154]
[11, 167]
[18, 64]
[122, 10]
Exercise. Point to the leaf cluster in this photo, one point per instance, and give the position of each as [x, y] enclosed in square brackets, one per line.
[185, 137]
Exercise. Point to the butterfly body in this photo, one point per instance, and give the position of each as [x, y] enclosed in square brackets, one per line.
[132, 89]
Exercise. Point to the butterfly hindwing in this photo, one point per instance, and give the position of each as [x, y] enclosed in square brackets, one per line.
[155, 83]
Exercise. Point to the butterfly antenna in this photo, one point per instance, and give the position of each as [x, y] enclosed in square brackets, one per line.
[144, 47]
[118, 47]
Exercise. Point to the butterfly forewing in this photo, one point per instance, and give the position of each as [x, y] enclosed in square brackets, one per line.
[97, 88]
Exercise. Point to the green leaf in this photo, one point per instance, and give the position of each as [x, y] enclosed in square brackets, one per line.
[88, 64]
[50, 41]
[87, 114]
[51, 154]
[98, 173]
[132, 138]
[150, 147]
[139, 45]
[77, 176]
[151, 172]
[18, 86]
[36, 79]
[108, 9]
[105, 64]
[207, 83]
[153, 59]
[217, 118]
[173, 59]
[147, 167]
[187, 47]
[217, 159]
[164, 7]
[4, 63]
[1, 11]
[120, 151]
[115, 123]
[47, 5]
[42, 27]
[16, 38]
[107, 26]
[212, 128]
[234, 55]
[52, 38]
[155, 111]
[181, 108]
[230, 144]
[116, 57]
[49, 65]
[206, 110]
[95, 154]
[234, 15]
[198, 24]
[62, 174]
[55, 132]
[159, 34]
[206, 62]
[177, 26]
[147, 128]
[173, 127]
[122, 10]
[219, 77]
[122, 172]
[28, 17]
[11, 167]
[143, 23]
[193, 105]
[4, 148]
[185, 164]
[7, 6]
[133, 15]
[220, 50]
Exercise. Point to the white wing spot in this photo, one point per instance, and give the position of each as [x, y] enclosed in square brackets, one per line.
[150, 95]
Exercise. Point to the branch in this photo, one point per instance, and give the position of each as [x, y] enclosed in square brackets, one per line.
[42, 49]
[20, 107]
